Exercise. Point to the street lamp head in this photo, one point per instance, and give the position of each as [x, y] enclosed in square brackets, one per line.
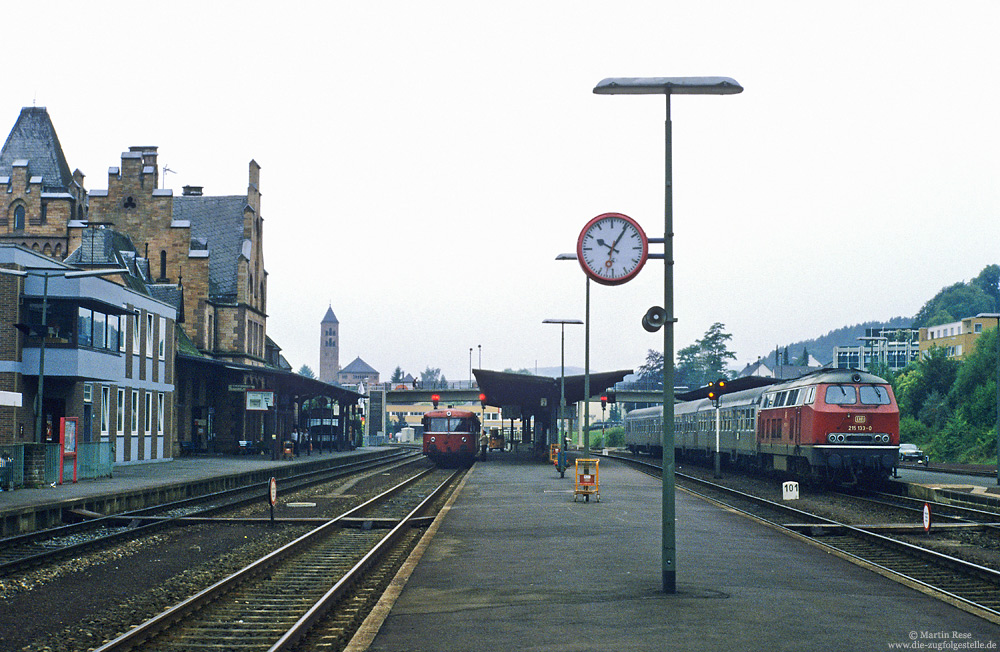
[566, 257]
[562, 321]
[668, 86]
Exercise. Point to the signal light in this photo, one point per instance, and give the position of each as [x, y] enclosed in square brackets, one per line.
[482, 398]
[435, 398]
[604, 402]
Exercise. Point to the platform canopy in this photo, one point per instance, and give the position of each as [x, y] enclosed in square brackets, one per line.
[507, 389]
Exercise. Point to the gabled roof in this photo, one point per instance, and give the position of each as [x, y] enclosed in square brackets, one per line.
[218, 221]
[358, 366]
[330, 318]
[34, 139]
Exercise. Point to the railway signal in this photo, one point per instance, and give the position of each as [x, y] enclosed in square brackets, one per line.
[604, 402]
[435, 398]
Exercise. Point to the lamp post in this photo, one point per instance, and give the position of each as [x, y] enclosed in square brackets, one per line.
[586, 364]
[668, 86]
[562, 369]
[45, 275]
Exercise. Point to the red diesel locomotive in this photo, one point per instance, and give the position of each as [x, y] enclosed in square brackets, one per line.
[839, 425]
[451, 436]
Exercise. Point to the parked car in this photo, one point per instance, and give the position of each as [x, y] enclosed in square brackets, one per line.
[910, 453]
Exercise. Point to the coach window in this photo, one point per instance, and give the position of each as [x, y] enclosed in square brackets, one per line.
[793, 397]
[810, 396]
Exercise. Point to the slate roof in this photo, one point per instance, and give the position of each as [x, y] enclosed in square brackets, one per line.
[34, 138]
[330, 318]
[358, 366]
[216, 224]
[101, 247]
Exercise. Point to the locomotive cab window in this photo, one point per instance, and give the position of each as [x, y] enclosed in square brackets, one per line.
[841, 395]
[874, 395]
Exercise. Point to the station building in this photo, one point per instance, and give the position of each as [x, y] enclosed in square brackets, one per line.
[99, 350]
[195, 256]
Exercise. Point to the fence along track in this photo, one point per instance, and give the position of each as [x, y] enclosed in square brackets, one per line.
[272, 603]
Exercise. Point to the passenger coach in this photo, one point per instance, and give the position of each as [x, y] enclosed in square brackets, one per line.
[835, 424]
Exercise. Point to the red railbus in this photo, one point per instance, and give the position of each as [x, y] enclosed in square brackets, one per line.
[451, 436]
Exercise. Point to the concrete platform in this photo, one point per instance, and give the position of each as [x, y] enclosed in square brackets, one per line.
[516, 564]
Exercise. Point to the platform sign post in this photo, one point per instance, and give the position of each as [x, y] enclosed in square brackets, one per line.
[272, 490]
[67, 444]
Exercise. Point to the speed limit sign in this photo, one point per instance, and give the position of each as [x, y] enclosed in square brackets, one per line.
[274, 491]
[927, 517]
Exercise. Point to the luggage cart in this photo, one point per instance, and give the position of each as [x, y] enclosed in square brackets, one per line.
[587, 480]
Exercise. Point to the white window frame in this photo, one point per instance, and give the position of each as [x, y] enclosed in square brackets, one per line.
[120, 412]
[105, 410]
[135, 332]
[159, 414]
[135, 412]
[149, 335]
[162, 339]
[148, 417]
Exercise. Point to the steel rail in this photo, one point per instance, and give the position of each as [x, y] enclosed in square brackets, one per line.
[146, 520]
[162, 622]
[987, 580]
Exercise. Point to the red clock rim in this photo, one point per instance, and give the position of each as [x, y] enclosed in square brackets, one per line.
[615, 281]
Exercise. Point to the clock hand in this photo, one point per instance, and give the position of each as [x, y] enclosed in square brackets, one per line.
[605, 244]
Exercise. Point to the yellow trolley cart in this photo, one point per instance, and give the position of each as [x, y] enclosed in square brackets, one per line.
[587, 480]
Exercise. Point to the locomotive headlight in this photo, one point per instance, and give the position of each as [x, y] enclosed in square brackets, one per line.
[432, 440]
[831, 438]
[841, 439]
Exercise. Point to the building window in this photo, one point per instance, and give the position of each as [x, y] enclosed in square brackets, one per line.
[162, 339]
[135, 333]
[135, 412]
[163, 264]
[19, 218]
[148, 416]
[85, 327]
[120, 412]
[149, 335]
[979, 328]
[159, 414]
[105, 410]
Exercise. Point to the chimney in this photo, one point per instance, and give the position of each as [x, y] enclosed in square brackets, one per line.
[193, 191]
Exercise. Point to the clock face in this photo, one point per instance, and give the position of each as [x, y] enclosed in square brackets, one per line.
[612, 248]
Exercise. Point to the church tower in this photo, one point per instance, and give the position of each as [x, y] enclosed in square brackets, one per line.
[329, 347]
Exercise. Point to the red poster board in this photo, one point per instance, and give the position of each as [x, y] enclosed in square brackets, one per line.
[67, 444]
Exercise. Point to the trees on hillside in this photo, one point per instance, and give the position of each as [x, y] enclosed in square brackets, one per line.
[949, 406]
[981, 294]
[697, 364]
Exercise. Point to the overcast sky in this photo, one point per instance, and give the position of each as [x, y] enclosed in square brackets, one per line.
[424, 162]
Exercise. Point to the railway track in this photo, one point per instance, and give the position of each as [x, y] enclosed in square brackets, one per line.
[22, 552]
[971, 587]
[316, 586]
